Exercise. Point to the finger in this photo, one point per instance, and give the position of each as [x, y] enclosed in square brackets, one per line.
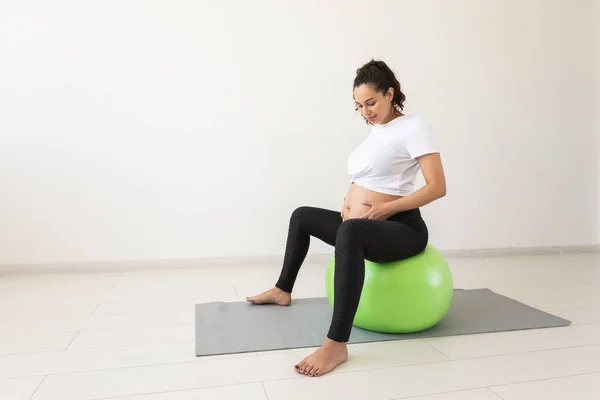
[374, 215]
[367, 203]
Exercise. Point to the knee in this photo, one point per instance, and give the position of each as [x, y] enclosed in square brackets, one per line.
[299, 215]
[347, 231]
[300, 212]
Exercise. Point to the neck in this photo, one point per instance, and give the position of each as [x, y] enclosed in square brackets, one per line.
[392, 116]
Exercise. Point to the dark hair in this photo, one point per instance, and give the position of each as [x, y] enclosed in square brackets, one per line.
[380, 76]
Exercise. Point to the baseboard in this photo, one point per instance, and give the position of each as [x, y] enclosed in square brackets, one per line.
[510, 251]
[516, 251]
[593, 248]
[137, 265]
[502, 251]
[268, 260]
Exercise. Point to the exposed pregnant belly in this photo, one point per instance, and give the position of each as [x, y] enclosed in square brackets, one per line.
[357, 194]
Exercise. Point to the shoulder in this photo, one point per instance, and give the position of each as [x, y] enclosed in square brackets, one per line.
[415, 123]
[407, 124]
[409, 127]
[419, 136]
[416, 126]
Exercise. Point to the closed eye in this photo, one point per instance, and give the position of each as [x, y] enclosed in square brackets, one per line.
[370, 105]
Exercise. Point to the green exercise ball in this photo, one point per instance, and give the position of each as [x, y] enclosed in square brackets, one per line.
[405, 296]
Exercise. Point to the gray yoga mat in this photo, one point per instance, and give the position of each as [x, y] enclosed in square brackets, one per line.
[239, 327]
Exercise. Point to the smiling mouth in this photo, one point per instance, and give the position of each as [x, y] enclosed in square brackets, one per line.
[372, 118]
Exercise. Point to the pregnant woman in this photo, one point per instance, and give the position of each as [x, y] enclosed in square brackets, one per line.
[380, 219]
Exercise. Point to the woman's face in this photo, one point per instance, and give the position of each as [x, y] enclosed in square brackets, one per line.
[373, 105]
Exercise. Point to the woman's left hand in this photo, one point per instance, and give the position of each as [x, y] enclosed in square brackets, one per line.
[378, 210]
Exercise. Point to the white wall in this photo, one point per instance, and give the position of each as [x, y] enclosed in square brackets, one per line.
[156, 129]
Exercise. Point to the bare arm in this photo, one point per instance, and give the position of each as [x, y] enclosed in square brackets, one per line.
[435, 185]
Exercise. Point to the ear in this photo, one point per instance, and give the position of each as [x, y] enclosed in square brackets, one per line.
[390, 94]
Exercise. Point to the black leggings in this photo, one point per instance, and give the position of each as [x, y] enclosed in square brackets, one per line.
[401, 236]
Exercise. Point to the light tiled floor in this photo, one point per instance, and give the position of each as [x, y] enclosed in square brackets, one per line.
[128, 334]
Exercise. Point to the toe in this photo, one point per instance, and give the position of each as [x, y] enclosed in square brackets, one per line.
[310, 369]
[306, 368]
[300, 366]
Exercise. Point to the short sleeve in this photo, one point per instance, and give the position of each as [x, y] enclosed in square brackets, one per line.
[421, 141]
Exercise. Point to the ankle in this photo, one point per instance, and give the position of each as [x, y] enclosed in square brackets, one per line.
[278, 290]
[333, 343]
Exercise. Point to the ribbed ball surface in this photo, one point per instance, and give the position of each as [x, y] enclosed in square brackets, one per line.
[404, 296]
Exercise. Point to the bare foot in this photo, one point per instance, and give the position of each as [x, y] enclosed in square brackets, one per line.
[324, 359]
[272, 296]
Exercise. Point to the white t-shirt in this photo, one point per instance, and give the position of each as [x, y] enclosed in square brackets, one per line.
[386, 161]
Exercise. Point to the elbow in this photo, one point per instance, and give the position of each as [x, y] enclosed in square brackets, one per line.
[440, 190]
[436, 189]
